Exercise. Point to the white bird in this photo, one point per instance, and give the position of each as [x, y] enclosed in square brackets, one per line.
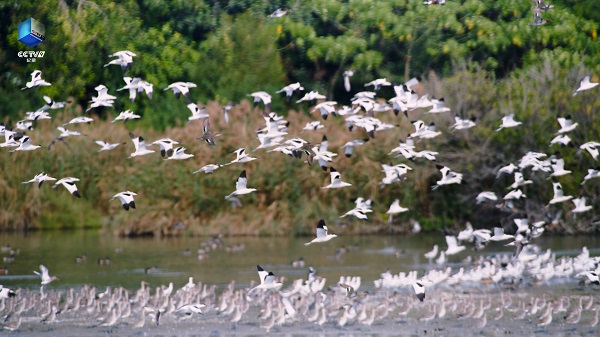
[179, 154]
[395, 208]
[69, 184]
[580, 205]
[278, 13]
[311, 96]
[566, 124]
[106, 146]
[558, 168]
[585, 84]
[325, 108]
[485, 196]
[241, 186]
[322, 235]
[6, 293]
[189, 309]
[79, 120]
[462, 124]
[419, 290]
[347, 74]
[336, 180]
[357, 212]
[378, 83]
[289, 90]
[591, 147]
[64, 133]
[515, 194]
[559, 194]
[499, 235]
[197, 113]
[135, 85]
[592, 173]
[126, 199]
[448, 177]
[561, 139]
[465, 234]
[520, 180]
[36, 81]
[313, 126]
[25, 145]
[24, 125]
[43, 273]
[439, 106]
[508, 122]
[267, 280]
[430, 255]
[508, 169]
[124, 59]
[349, 146]
[166, 146]
[103, 98]
[180, 88]
[209, 169]
[125, 116]
[261, 96]
[453, 247]
[39, 179]
[140, 146]
[242, 156]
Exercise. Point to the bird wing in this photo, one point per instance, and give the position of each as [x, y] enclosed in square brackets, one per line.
[262, 274]
[242, 181]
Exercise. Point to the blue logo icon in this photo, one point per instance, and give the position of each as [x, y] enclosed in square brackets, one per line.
[32, 32]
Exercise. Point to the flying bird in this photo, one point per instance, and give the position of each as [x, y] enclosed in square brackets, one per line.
[585, 84]
[181, 88]
[241, 186]
[39, 179]
[126, 199]
[208, 136]
[44, 275]
[69, 184]
[336, 180]
[36, 80]
[140, 146]
[267, 280]
[322, 235]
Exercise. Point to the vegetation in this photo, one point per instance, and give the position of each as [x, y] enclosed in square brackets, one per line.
[484, 58]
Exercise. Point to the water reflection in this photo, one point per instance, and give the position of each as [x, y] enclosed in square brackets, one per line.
[111, 261]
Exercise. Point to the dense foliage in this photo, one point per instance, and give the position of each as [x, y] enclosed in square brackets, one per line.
[484, 57]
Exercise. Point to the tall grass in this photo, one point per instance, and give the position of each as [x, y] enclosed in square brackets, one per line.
[290, 200]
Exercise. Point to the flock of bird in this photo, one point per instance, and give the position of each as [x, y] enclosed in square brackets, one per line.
[305, 299]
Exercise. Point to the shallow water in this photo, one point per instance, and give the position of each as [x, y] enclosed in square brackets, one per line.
[366, 256]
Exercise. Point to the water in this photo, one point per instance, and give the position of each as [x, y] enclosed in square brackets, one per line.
[366, 256]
